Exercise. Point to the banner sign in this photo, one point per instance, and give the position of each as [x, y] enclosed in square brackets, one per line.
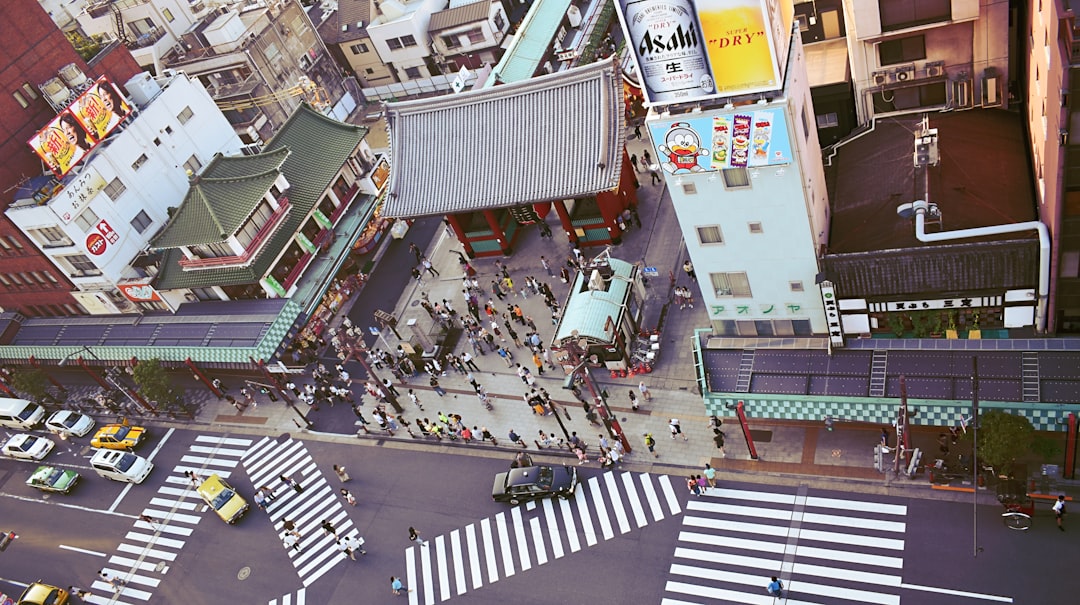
[745, 139]
[76, 130]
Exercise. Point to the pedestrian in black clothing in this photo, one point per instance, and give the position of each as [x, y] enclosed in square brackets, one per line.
[291, 483]
[633, 162]
[329, 528]
[646, 158]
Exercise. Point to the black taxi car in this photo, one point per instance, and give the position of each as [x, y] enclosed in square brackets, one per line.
[526, 483]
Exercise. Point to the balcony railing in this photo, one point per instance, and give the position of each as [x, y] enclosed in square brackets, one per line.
[252, 249]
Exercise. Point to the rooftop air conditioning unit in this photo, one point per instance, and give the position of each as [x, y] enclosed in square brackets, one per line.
[904, 74]
[880, 77]
[935, 69]
[72, 76]
[56, 91]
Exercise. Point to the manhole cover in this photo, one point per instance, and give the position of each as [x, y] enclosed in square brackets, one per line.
[243, 573]
[837, 453]
[414, 303]
[761, 436]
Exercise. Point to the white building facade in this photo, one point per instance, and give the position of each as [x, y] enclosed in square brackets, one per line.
[102, 218]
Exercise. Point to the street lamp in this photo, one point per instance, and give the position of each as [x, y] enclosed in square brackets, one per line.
[111, 373]
[578, 358]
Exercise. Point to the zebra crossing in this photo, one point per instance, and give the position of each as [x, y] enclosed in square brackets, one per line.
[824, 549]
[265, 462]
[146, 552]
[535, 533]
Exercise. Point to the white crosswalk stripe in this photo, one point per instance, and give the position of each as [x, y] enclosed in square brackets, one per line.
[825, 550]
[267, 461]
[146, 552]
[532, 535]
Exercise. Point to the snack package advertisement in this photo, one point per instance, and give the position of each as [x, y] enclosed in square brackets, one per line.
[743, 139]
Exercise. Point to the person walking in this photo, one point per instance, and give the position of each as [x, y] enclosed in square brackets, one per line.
[689, 268]
[633, 400]
[414, 536]
[396, 586]
[646, 158]
[328, 528]
[676, 429]
[718, 439]
[82, 593]
[776, 588]
[355, 544]
[650, 443]
[340, 472]
[515, 438]
[485, 435]
[710, 475]
[692, 486]
[415, 399]
[343, 546]
[434, 382]
[645, 391]
[291, 540]
[1059, 512]
[539, 363]
[287, 480]
[633, 162]
[351, 499]
[426, 264]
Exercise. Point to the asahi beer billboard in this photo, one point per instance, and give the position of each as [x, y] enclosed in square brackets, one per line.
[688, 51]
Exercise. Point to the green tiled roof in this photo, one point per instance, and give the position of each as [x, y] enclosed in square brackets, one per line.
[317, 148]
[531, 44]
[220, 199]
[588, 311]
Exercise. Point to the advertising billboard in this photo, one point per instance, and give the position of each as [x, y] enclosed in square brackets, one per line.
[688, 51]
[742, 139]
[70, 136]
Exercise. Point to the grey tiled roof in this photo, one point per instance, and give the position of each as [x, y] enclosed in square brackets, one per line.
[318, 147]
[348, 15]
[452, 17]
[220, 199]
[552, 137]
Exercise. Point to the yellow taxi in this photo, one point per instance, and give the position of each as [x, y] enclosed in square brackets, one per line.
[40, 593]
[221, 497]
[118, 437]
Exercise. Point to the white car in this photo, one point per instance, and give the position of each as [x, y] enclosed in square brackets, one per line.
[69, 422]
[27, 447]
[121, 466]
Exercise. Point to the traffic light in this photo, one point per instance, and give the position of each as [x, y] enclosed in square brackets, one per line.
[880, 464]
[916, 458]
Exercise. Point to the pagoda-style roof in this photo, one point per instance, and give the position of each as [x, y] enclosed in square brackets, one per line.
[221, 199]
[552, 137]
[317, 147]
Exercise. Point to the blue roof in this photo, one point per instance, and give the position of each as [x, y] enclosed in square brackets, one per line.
[531, 43]
[588, 311]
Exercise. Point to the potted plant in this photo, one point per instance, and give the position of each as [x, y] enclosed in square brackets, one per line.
[896, 324]
[951, 332]
[975, 333]
[935, 325]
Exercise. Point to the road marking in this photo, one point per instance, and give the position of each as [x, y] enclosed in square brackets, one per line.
[177, 504]
[504, 545]
[538, 541]
[198, 470]
[782, 531]
[127, 488]
[220, 451]
[410, 575]
[571, 528]
[164, 528]
[795, 586]
[601, 513]
[778, 514]
[669, 495]
[635, 502]
[459, 564]
[169, 516]
[857, 505]
[553, 529]
[82, 550]
[735, 494]
[222, 440]
[650, 497]
[616, 502]
[958, 593]
[133, 593]
[204, 461]
[444, 577]
[154, 540]
[489, 553]
[522, 543]
[803, 569]
[855, 522]
[586, 519]
[134, 563]
[474, 558]
[147, 552]
[721, 594]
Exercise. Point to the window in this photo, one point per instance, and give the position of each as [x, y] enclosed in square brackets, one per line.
[185, 115]
[49, 276]
[900, 14]
[4, 280]
[28, 91]
[902, 50]
[451, 41]
[157, 142]
[369, 71]
[15, 278]
[499, 20]
[168, 15]
[26, 278]
[689, 189]
[756, 228]
[5, 245]
[168, 130]
[730, 284]
[408, 40]
[828, 120]
[141, 221]
[412, 72]
[358, 48]
[475, 36]
[86, 220]
[139, 161]
[20, 99]
[193, 164]
[50, 237]
[80, 265]
[115, 189]
[796, 286]
[15, 242]
[710, 235]
[805, 123]
[735, 178]
[394, 43]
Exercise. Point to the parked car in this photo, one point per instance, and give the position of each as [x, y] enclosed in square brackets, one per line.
[221, 497]
[118, 437]
[73, 423]
[121, 466]
[27, 447]
[534, 482]
[53, 479]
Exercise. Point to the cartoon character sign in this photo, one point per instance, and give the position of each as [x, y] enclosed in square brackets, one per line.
[681, 149]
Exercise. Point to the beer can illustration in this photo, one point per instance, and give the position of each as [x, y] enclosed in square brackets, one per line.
[673, 64]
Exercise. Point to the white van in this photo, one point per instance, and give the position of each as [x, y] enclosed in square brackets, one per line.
[20, 413]
[121, 466]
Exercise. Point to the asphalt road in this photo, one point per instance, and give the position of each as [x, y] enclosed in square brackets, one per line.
[626, 537]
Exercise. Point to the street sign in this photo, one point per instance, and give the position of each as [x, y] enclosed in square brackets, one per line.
[650, 272]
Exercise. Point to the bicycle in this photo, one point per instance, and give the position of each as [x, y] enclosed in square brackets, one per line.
[1019, 507]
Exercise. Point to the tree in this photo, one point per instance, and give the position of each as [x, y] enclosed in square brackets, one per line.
[32, 382]
[1003, 438]
[154, 382]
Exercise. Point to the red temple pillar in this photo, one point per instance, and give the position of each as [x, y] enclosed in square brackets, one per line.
[455, 224]
[564, 219]
[496, 230]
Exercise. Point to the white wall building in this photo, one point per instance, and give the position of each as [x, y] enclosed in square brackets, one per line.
[149, 28]
[753, 226]
[400, 36]
[112, 204]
